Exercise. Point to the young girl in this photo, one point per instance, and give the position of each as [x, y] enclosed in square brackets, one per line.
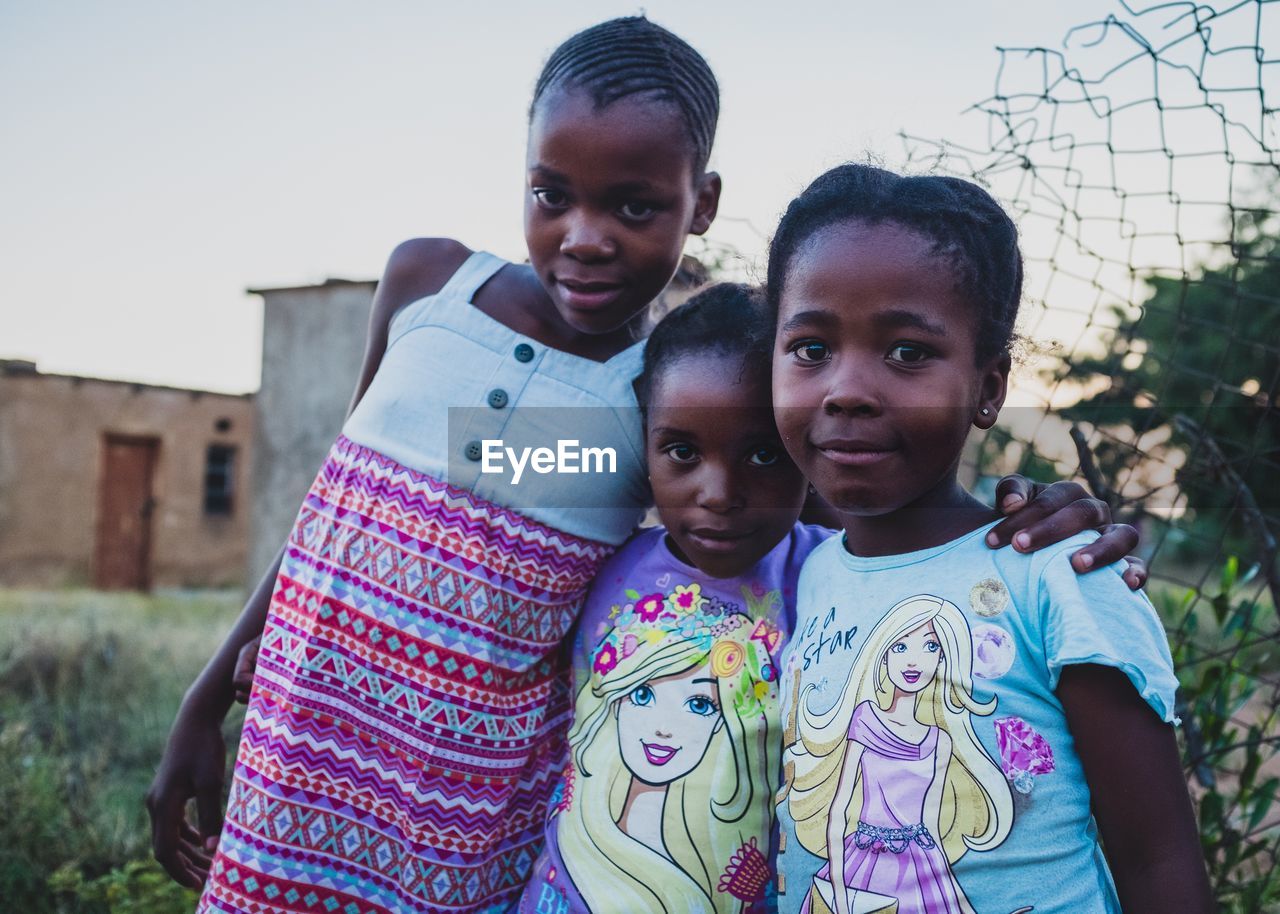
[956, 717]
[667, 803]
[409, 711]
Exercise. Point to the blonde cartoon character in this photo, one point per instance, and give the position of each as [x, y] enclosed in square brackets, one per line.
[891, 784]
[674, 762]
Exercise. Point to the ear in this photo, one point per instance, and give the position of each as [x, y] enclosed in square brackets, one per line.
[707, 204]
[993, 388]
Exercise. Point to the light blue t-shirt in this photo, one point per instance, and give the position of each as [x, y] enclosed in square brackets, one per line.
[974, 790]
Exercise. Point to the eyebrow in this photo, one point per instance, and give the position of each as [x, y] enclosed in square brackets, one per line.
[640, 186]
[808, 319]
[894, 317]
[712, 681]
[668, 430]
[901, 317]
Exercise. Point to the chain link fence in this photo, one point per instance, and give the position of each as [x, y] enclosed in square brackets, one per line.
[1140, 159]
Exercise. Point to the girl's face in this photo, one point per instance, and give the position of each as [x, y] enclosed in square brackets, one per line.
[725, 489]
[874, 379]
[666, 724]
[913, 659]
[611, 197]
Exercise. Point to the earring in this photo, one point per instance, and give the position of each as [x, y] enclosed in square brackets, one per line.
[812, 490]
[985, 411]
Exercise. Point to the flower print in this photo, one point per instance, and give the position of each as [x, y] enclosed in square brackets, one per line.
[747, 874]
[649, 608]
[993, 651]
[686, 599]
[629, 644]
[758, 589]
[726, 659]
[606, 658]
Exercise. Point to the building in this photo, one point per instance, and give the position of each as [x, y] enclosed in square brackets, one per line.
[312, 347]
[115, 485]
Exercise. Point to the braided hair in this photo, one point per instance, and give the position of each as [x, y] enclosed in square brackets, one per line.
[726, 319]
[966, 225]
[633, 56]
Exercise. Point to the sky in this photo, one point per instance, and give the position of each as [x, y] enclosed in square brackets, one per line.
[161, 158]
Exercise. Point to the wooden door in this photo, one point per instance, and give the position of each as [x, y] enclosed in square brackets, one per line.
[125, 505]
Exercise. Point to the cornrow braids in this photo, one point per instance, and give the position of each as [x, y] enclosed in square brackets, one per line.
[966, 225]
[726, 319]
[633, 56]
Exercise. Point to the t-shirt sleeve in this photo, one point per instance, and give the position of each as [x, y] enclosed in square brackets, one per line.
[1095, 618]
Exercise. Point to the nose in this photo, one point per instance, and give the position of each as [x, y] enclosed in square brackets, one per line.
[661, 734]
[587, 239]
[717, 489]
[853, 390]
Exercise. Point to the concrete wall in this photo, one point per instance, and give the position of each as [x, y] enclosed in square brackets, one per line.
[51, 434]
[312, 346]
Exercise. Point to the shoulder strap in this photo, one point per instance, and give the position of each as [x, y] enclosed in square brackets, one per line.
[474, 273]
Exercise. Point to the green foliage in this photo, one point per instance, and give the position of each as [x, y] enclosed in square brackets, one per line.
[1205, 347]
[138, 887]
[89, 684]
[1225, 652]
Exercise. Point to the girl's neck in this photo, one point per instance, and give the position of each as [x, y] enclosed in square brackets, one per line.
[516, 299]
[940, 515]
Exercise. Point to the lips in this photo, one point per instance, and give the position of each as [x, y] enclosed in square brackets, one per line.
[911, 676]
[658, 754]
[712, 539]
[853, 452]
[588, 294]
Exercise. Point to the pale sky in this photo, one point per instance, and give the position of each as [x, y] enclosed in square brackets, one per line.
[158, 158]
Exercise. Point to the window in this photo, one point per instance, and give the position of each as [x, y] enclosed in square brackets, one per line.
[219, 480]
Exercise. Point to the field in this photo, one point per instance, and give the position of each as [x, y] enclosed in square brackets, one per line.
[89, 683]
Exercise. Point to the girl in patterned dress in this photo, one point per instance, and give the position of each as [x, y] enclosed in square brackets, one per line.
[408, 714]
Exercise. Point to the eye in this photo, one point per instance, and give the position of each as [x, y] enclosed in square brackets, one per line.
[641, 696]
[899, 648]
[550, 197]
[637, 211]
[764, 457]
[932, 647]
[702, 706]
[908, 354]
[681, 452]
[810, 351]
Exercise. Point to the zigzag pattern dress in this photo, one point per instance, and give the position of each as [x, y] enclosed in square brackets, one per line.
[407, 721]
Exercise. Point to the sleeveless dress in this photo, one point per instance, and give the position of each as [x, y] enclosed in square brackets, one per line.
[407, 721]
[888, 854]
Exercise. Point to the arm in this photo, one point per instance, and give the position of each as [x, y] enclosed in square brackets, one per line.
[1038, 515]
[194, 760]
[1140, 799]
[838, 823]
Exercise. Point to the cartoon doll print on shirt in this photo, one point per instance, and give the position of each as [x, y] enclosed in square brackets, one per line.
[890, 785]
[673, 754]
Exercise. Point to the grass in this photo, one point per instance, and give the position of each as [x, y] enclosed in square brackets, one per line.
[89, 683]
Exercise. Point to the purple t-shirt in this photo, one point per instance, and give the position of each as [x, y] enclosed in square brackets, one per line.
[667, 803]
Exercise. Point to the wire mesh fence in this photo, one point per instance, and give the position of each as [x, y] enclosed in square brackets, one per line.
[1140, 159]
